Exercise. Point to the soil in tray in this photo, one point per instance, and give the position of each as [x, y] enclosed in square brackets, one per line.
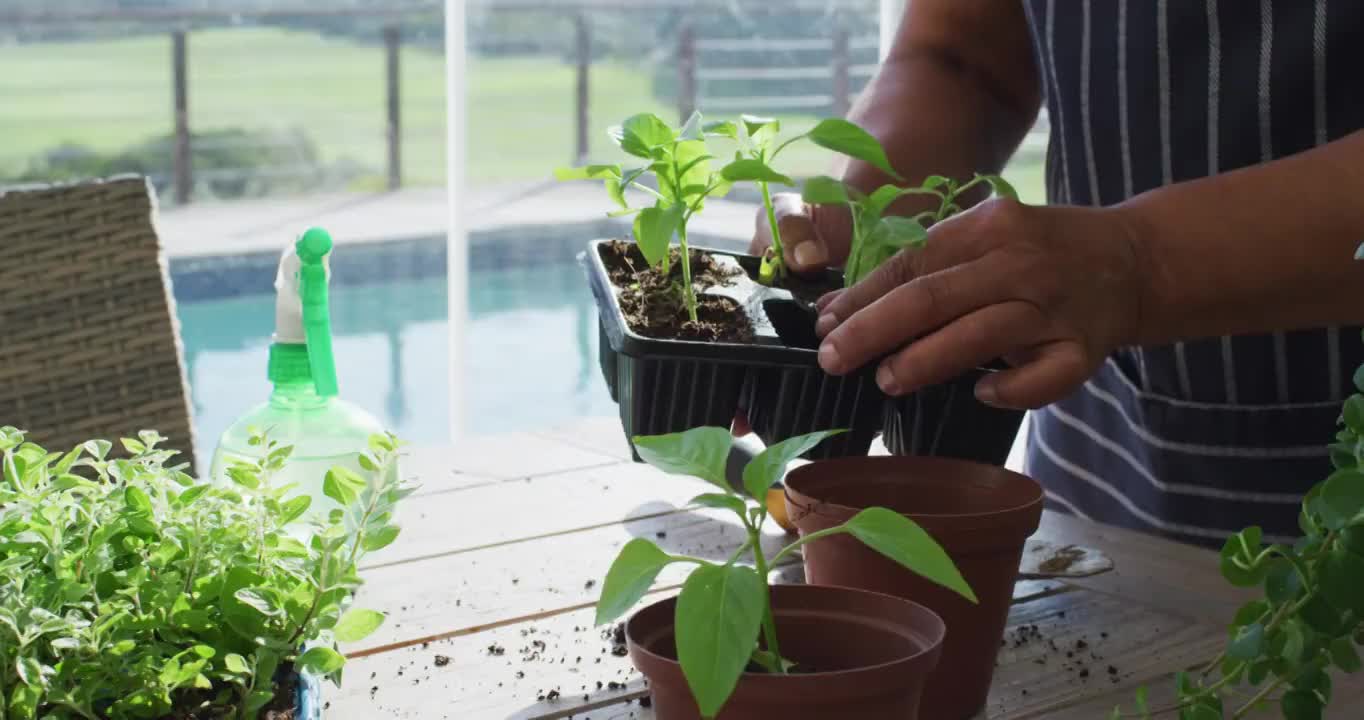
[280, 708]
[653, 305]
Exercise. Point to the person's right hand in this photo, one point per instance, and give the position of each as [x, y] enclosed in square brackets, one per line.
[812, 237]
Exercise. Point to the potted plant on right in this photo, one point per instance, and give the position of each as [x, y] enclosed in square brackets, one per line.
[731, 647]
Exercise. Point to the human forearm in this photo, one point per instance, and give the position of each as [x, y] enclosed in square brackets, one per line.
[1261, 249]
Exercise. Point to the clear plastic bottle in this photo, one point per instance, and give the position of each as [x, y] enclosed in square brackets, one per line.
[303, 410]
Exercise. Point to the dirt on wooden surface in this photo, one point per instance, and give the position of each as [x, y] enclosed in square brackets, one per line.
[654, 304]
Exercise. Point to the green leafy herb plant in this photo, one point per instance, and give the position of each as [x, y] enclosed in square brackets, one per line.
[134, 592]
[724, 607]
[1309, 621]
[877, 236]
[680, 164]
[758, 150]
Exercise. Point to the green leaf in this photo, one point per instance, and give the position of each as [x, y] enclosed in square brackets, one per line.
[701, 452]
[630, 577]
[320, 660]
[718, 614]
[721, 128]
[761, 131]
[616, 192]
[1294, 641]
[654, 229]
[588, 172]
[245, 476]
[98, 448]
[844, 137]
[1300, 705]
[1247, 642]
[1342, 498]
[763, 471]
[294, 508]
[137, 499]
[1342, 580]
[1235, 564]
[381, 538]
[934, 181]
[902, 232]
[132, 446]
[902, 540]
[1001, 187]
[753, 170]
[1282, 582]
[343, 485]
[880, 199]
[1344, 655]
[1321, 616]
[641, 133]
[260, 600]
[235, 663]
[824, 190]
[720, 501]
[1251, 612]
[1353, 413]
[357, 624]
[691, 129]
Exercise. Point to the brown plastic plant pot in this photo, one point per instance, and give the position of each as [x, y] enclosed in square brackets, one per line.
[980, 514]
[867, 657]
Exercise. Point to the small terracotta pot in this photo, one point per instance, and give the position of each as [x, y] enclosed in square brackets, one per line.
[980, 514]
[872, 653]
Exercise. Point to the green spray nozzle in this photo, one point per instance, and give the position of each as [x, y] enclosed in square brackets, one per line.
[312, 249]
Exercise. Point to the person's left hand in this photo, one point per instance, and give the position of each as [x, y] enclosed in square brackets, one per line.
[1051, 290]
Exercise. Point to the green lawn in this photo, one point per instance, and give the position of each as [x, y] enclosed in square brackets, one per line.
[110, 94]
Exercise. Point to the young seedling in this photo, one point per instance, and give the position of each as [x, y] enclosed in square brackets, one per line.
[679, 161]
[1311, 616]
[724, 607]
[759, 149]
[877, 236]
[131, 588]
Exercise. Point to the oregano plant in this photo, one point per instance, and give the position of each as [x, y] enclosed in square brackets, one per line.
[724, 619]
[877, 236]
[1309, 620]
[132, 591]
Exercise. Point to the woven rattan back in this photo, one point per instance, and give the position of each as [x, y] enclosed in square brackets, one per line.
[88, 341]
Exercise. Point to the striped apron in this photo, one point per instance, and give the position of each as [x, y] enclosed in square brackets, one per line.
[1196, 440]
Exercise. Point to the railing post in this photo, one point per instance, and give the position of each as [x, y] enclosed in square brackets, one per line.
[841, 66]
[584, 54]
[180, 161]
[392, 39]
[686, 71]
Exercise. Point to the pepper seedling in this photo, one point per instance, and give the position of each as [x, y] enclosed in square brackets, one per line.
[759, 149]
[876, 236]
[680, 163]
[724, 607]
[1310, 619]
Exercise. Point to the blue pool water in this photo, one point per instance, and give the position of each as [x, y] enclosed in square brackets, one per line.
[529, 359]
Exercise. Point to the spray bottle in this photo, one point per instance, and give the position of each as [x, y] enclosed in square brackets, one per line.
[303, 410]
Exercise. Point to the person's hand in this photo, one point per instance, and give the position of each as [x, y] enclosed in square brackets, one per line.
[1051, 290]
[812, 238]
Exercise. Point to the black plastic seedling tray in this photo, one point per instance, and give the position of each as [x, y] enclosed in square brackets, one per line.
[947, 421]
[668, 385]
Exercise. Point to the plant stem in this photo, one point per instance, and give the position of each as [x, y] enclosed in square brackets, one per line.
[1264, 693]
[769, 624]
[687, 289]
[777, 268]
[812, 536]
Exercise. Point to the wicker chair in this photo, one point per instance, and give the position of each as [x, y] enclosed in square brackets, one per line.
[88, 337]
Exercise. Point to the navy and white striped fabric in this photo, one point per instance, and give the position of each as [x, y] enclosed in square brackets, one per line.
[1196, 440]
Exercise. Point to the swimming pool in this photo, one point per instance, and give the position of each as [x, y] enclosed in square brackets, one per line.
[529, 359]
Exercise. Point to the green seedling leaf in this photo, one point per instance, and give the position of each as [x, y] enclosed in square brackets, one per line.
[720, 501]
[753, 170]
[1353, 413]
[771, 662]
[137, 500]
[902, 540]
[1342, 499]
[1236, 557]
[764, 470]
[1001, 187]
[723, 128]
[1300, 705]
[654, 230]
[616, 191]
[381, 538]
[700, 452]
[1344, 655]
[718, 614]
[761, 131]
[880, 199]
[691, 129]
[847, 138]
[630, 577]
[357, 625]
[1282, 582]
[320, 660]
[902, 232]
[588, 172]
[294, 508]
[1340, 580]
[824, 190]
[641, 133]
[343, 485]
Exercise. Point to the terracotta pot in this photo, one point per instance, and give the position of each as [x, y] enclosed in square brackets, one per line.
[872, 654]
[980, 514]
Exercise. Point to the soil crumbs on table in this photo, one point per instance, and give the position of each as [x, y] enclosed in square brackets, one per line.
[654, 306]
